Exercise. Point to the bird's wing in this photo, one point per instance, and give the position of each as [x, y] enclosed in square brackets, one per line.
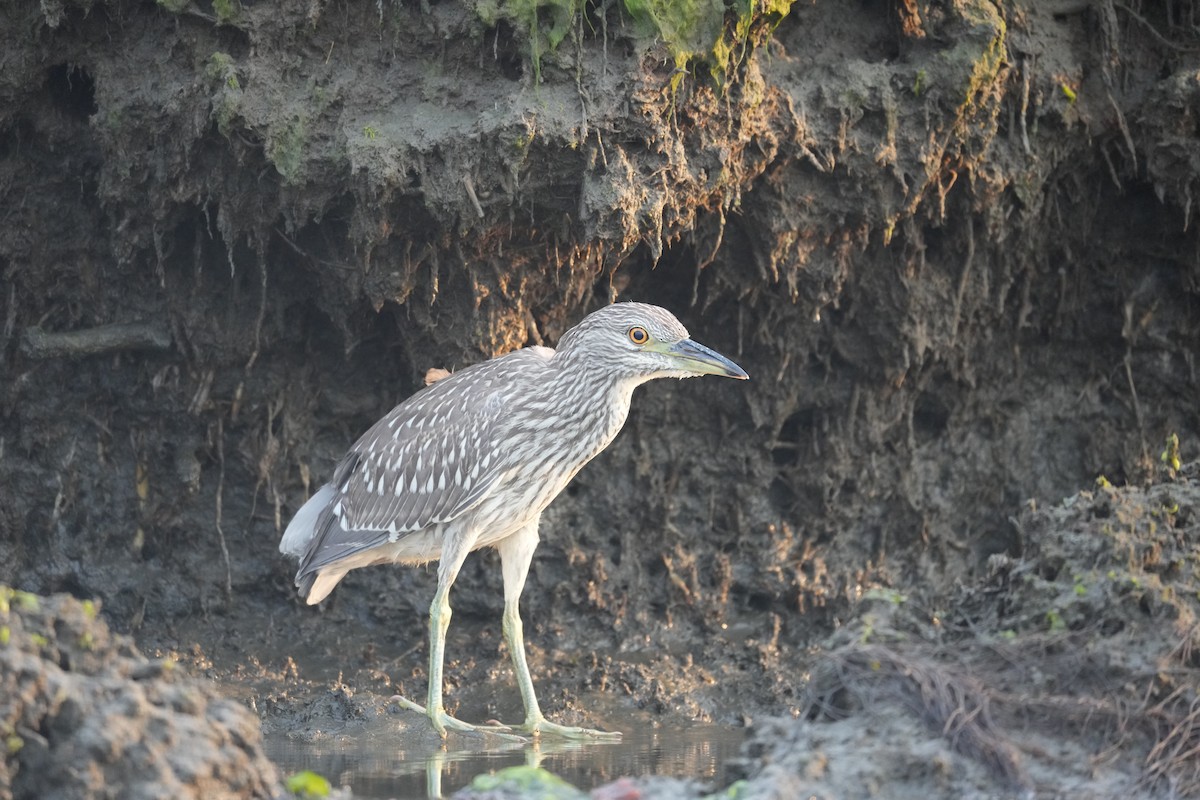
[431, 459]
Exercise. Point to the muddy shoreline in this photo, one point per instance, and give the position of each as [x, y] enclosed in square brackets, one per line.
[1066, 671]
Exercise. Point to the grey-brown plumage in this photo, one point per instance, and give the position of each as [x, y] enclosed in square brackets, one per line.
[474, 459]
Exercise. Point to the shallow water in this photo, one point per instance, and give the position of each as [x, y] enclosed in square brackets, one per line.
[378, 765]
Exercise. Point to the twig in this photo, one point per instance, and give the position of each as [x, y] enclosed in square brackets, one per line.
[1124, 130]
[262, 313]
[703, 265]
[471, 194]
[1137, 406]
[220, 532]
[1026, 79]
[963, 279]
[10, 320]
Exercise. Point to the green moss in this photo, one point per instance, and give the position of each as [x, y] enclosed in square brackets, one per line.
[227, 11]
[227, 99]
[174, 6]
[982, 51]
[219, 66]
[285, 148]
[735, 791]
[716, 33]
[886, 595]
[544, 23]
[489, 12]
[691, 28]
[24, 600]
[307, 783]
[527, 782]
[918, 87]
[322, 98]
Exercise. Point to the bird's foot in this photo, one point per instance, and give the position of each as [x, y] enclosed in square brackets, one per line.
[543, 727]
[443, 722]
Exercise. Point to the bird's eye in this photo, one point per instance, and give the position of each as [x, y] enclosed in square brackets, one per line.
[638, 335]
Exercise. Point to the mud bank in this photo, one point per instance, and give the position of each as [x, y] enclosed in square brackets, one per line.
[83, 714]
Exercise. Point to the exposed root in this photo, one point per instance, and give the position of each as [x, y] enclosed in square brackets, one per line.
[262, 312]
[964, 703]
[957, 705]
[1149, 28]
[1175, 757]
[220, 490]
[36, 343]
[469, 185]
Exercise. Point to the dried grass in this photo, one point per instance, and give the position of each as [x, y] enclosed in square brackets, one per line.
[956, 704]
[957, 695]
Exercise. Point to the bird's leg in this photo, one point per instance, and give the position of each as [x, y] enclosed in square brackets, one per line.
[516, 553]
[439, 623]
[453, 555]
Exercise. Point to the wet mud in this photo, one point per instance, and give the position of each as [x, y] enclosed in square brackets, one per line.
[952, 242]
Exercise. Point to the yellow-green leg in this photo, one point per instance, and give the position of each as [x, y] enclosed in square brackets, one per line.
[439, 622]
[516, 554]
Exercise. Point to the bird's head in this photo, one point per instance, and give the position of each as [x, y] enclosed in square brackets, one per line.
[640, 341]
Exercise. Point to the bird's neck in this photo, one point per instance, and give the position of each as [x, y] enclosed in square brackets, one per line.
[596, 400]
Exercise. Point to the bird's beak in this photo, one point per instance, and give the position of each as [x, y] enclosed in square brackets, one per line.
[695, 357]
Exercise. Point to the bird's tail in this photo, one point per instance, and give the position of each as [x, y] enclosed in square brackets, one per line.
[303, 526]
[316, 586]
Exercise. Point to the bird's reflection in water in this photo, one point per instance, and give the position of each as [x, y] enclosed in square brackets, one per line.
[381, 764]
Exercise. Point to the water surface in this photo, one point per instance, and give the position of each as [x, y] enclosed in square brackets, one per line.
[377, 763]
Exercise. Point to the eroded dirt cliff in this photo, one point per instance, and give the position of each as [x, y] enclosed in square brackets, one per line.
[951, 241]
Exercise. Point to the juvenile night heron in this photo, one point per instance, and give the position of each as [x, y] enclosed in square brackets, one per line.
[472, 461]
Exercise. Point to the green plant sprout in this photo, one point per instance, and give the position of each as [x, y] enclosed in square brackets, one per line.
[1170, 454]
[918, 86]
